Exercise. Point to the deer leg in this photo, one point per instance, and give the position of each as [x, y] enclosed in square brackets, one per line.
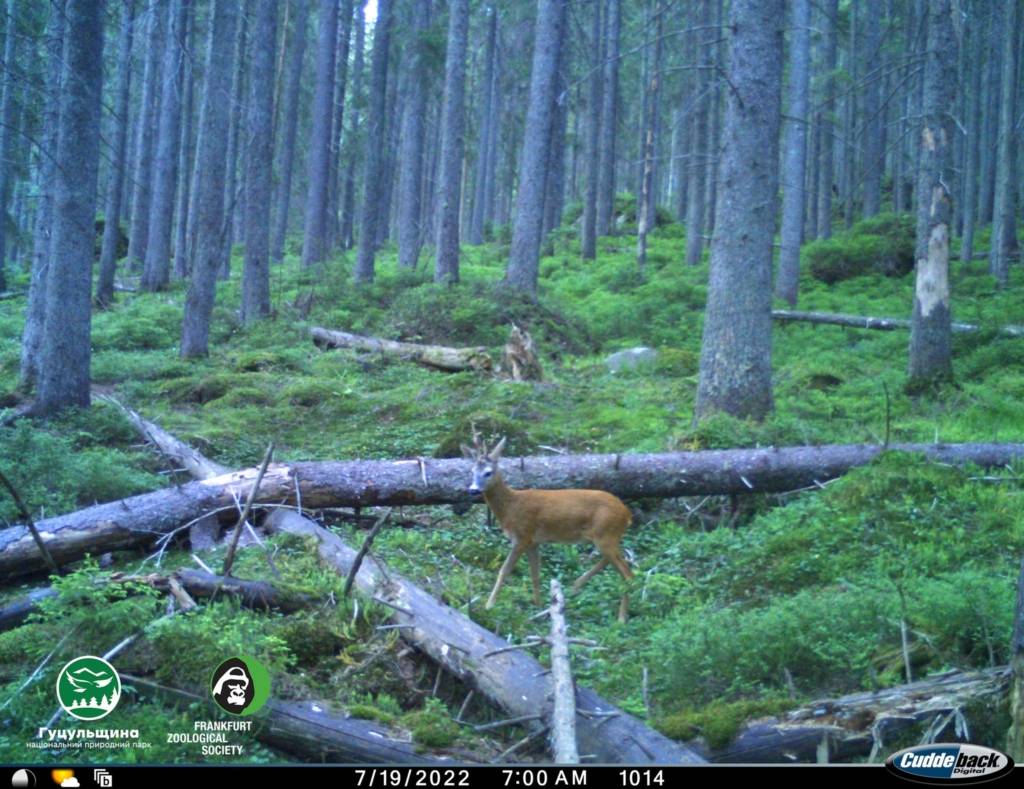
[627, 574]
[598, 567]
[533, 555]
[506, 568]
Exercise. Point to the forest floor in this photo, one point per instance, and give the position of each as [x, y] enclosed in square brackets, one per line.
[739, 607]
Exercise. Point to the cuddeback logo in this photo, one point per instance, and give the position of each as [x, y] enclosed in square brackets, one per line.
[949, 762]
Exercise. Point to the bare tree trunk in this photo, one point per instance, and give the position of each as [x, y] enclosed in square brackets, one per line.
[848, 185]
[524, 258]
[182, 264]
[138, 235]
[811, 180]
[735, 365]
[930, 331]
[873, 165]
[999, 254]
[332, 224]
[32, 334]
[64, 367]
[976, 35]
[157, 271]
[554, 182]
[1015, 737]
[348, 207]
[376, 130]
[695, 182]
[588, 240]
[291, 121]
[488, 132]
[826, 145]
[260, 163]
[112, 212]
[410, 189]
[231, 190]
[446, 267]
[787, 282]
[609, 118]
[210, 164]
[8, 125]
[646, 209]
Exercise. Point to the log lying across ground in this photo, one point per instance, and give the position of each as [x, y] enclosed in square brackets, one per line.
[139, 520]
[882, 324]
[308, 730]
[867, 723]
[512, 679]
[437, 357]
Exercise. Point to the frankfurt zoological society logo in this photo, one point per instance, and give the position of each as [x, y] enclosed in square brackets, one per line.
[88, 688]
[240, 685]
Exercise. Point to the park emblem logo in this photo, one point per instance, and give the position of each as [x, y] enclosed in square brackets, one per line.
[945, 763]
[88, 688]
[240, 685]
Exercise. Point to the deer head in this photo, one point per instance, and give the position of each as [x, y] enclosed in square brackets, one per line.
[485, 463]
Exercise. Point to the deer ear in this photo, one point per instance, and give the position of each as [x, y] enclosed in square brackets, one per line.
[497, 450]
[466, 451]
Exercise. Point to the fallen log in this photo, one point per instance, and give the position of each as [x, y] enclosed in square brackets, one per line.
[563, 688]
[510, 678]
[882, 324]
[139, 520]
[306, 729]
[17, 611]
[192, 460]
[864, 724]
[437, 357]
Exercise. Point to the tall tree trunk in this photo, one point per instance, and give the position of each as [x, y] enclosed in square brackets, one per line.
[260, 163]
[8, 126]
[787, 282]
[990, 115]
[138, 233]
[332, 224]
[115, 182]
[292, 92]
[811, 180]
[410, 188]
[446, 268]
[211, 158]
[487, 132]
[554, 188]
[314, 241]
[930, 329]
[354, 145]
[64, 367]
[157, 271]
[609, 119]
[231, 188]
[375, 135]
[524, 258]
[393, 111]
[849, 141]
[874, 151]
[999, 252]
[826, 144]
[35, 312]
[711, 167]
[646, 211]
[735, 364]
[186, 149]
[699, 138]
[588, 239]
[976, 33]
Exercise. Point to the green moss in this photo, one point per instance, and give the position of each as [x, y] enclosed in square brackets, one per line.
[883, 244]
[718, 723]
[432, 726]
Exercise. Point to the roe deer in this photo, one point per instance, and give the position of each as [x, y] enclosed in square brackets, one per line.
[532, 517]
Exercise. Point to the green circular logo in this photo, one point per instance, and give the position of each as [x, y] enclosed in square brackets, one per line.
[240, 685]
[88, 688]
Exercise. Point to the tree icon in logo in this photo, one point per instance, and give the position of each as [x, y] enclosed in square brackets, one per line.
[240, 685]
[88, 688]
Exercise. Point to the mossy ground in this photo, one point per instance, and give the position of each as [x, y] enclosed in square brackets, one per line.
[799, 594]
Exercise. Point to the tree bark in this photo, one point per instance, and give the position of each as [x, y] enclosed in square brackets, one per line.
[332, 224]
[145, 136]
[826, 126]
[609, 118]
[554, 181]
[186, 148]
[35, 311]
[375, 133]
[449, 193]
[884, 324]
[524, 258]
[65, 349]
[1015, 737]
[787, 282]
[210, 164]
[511, 679]
[588, 239]
[157, 271]
[348, 208]
[488, 132]
[410, 189]
[300, 11]
[975, 34]
[141, 519]
[436, 356]
[8, 124]
[930, 344]
[232, 192]
[695, 181]
[563, 712]
[646, 209]
[735, 365]
[874, 151]
[999, 255]
[260, 163]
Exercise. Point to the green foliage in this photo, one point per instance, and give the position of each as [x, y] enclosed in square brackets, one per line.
[719, 721]
[432, 726]
[883, 244]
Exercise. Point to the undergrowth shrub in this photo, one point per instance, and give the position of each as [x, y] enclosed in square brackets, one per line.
[882, 244]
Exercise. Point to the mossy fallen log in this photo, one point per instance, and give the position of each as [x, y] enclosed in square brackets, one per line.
[139, 520]
[437, 357]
